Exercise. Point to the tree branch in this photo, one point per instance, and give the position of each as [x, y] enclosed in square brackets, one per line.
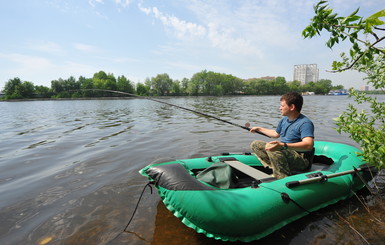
[360, 56]
[356, 27]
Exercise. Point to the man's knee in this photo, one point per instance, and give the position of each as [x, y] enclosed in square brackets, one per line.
[258, 145]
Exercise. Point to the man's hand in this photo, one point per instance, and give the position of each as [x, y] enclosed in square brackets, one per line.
[274, 146]
[254, 129]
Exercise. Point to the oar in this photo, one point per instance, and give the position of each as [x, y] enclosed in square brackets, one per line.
[180, 107]
[373, 192]
[323, 178]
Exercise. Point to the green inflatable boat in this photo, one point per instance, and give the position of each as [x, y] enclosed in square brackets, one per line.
[234, 198]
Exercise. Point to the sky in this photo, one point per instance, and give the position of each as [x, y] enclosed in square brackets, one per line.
[44, 40]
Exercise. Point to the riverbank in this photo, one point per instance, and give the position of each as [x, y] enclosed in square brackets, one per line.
[69, 99]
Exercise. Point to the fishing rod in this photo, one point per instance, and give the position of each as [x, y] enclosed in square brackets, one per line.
[246, 127]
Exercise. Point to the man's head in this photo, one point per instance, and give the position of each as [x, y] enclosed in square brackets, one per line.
[293, 98]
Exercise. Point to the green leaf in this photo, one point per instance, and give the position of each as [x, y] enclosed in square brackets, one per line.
[356, 47]
[374, 20]
[355, 12]
[352, 53]
[352, 17]
[377, 15]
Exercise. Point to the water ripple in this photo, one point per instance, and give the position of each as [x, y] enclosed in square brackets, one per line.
[69, 169]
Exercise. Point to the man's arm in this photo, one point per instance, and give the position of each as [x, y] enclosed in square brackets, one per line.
[306, 144]
[269, 132]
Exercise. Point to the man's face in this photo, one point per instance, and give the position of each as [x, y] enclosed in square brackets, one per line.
[285, 109]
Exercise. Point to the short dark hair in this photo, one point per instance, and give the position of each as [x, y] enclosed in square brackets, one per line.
[293, 98]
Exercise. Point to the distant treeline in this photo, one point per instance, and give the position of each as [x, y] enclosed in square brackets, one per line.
[207, 83]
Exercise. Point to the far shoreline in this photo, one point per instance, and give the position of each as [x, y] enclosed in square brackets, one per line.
[64, 99]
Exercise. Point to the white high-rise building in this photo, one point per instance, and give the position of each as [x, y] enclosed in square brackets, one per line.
[306, 73]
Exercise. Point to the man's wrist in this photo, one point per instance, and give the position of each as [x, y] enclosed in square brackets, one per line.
[285, 146]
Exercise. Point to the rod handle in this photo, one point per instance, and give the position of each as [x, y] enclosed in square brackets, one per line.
[292, 184]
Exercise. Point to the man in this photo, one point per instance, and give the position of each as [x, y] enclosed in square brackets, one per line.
[295, 151]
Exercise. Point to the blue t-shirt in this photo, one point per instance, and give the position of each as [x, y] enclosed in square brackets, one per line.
[295, 130]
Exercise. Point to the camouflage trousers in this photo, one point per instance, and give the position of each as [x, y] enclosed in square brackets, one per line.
[283, 162]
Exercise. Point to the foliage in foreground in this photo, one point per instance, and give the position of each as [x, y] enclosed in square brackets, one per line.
[366, 56]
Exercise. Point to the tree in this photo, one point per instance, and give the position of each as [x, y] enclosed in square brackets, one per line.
[11, 88]
[257, 86]
[110, 82]
[294, 86]
[323, 86]
[17, 89]
[66, 88]
[103, 81]
[142, 89]
[338, 87]
[57, 86]
[162, 84]
[27, 89]
[209, 81]
[197, 81]
[86, 86]
[230, 84]
[279, 86]
[42, 91]
[71, 84]
[263, 87]
[366, 56]
[124, 85]
[99, 79]
[310, 87]
[184, 85]
[176, 89]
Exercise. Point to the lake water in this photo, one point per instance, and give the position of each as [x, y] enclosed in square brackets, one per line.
[69, 169]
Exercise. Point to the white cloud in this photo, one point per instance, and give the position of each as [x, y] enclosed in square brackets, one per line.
[77, 69]
[94, 2]
[219, 33]
[145, 10]
[123, 3]
[46, 47]
[40, 70]
[182, 29]
[223, 38]
[26, 67]
[124, 60]
[85, 47]
[27, 62]
[257, 24]
[244, 28]
[119, 3]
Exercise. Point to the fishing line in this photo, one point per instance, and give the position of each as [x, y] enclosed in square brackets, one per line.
[177, 106]
[137, 205]
[132, 217]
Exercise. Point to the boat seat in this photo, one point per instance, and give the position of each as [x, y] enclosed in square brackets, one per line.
[246, 169]
[320, 162]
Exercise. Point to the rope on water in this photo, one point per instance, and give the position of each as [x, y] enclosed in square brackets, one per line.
[137, 204]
